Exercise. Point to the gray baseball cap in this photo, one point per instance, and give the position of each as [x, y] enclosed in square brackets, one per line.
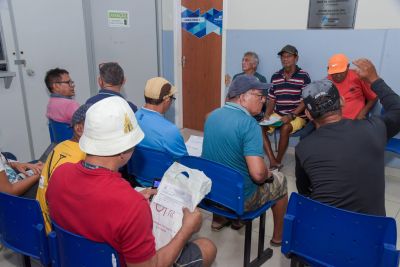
[244, 83]
[289, 49]
[321, 97]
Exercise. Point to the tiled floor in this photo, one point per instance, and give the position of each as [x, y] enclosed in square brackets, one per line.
[230, 243]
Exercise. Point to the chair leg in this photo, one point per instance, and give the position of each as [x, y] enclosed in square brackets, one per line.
[27, 261]
[261, 235]
[263, 254]
[247, 243]
[296, 262]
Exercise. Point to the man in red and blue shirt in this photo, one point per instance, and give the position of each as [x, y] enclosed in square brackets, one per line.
[285, 101]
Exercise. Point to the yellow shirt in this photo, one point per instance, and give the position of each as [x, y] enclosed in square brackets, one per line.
[67, 151]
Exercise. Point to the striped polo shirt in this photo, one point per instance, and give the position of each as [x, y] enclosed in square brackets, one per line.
[287, 93]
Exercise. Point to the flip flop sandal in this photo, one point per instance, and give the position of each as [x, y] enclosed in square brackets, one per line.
[217, 226]
[237, 225]
[275, 244]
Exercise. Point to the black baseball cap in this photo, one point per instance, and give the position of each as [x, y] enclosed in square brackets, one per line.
[321, 97]
[244, 83]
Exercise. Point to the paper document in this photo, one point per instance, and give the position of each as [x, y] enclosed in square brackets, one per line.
[194, 145]
[180, 187]
[272, 120]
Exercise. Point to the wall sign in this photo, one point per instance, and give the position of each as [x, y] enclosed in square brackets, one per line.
[326, 14]
[117, 18]
[201, 25]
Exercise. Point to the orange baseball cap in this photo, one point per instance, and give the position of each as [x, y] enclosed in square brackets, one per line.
[337, 63]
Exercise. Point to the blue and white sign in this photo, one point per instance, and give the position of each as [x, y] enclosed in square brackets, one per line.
[201, 25]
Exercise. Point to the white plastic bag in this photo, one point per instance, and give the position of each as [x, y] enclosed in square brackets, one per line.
[176, 191]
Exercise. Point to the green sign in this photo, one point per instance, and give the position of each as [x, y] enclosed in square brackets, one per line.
[117, 18]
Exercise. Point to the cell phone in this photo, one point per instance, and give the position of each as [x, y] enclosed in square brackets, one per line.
[156, 183]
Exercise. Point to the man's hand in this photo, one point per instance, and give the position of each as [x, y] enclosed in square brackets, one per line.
[24, 167]
[287, 118]
[366, 70]
[360, 116]
[191, 221]
[148, 192]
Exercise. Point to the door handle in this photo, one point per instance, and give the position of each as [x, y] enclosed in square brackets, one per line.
[183, 61]
[20, 62]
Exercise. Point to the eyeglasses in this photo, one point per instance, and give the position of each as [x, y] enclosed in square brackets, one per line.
[260, 96]
[70, 82]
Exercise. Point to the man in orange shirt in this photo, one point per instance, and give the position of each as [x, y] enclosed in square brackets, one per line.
[358, 97]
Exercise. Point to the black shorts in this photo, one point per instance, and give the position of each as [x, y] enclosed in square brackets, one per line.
[190, 256]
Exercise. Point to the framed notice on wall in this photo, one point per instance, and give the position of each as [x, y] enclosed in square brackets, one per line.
[332, 14]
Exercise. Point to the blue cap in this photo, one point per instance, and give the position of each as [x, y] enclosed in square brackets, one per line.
[243, 83]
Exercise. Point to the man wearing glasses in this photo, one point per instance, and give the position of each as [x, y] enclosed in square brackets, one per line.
[233, 138]
[160, 133]
[111, 80]
[61, 106]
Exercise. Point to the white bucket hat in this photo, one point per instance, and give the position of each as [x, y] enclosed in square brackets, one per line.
[110, 128]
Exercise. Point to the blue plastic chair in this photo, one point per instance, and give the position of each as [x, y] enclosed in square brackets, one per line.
[148, 164]
[393, 145]
[22, 228]
[227, 192]
[68, 249]
[59, 131]
[322, 235]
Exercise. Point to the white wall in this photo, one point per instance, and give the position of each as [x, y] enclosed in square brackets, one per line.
[51, 34]
[293, 14]
[167, 14]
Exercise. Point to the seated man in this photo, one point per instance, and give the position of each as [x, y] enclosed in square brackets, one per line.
[233, 137]
[250, 63]
[61, 106]
[17, 178]
[286, 103]
[111, 80]
[67, 151]
[358, 97]
[90, 198]
[160, 134]
[342, 162]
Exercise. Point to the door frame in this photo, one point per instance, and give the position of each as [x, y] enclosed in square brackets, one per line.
[178, 57]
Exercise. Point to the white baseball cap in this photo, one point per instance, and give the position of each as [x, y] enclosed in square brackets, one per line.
[110, 128]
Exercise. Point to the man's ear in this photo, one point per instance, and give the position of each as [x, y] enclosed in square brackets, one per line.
[54, 88]
[308, 115]
[78, 129]
[100, 82]
[124, 81]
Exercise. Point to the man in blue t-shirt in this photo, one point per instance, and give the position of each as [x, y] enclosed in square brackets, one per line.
[160, 133]
[233, 137]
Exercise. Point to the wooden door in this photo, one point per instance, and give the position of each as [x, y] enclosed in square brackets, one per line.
[201, 60]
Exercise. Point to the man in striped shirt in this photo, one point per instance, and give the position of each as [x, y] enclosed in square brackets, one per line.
[285, 101]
